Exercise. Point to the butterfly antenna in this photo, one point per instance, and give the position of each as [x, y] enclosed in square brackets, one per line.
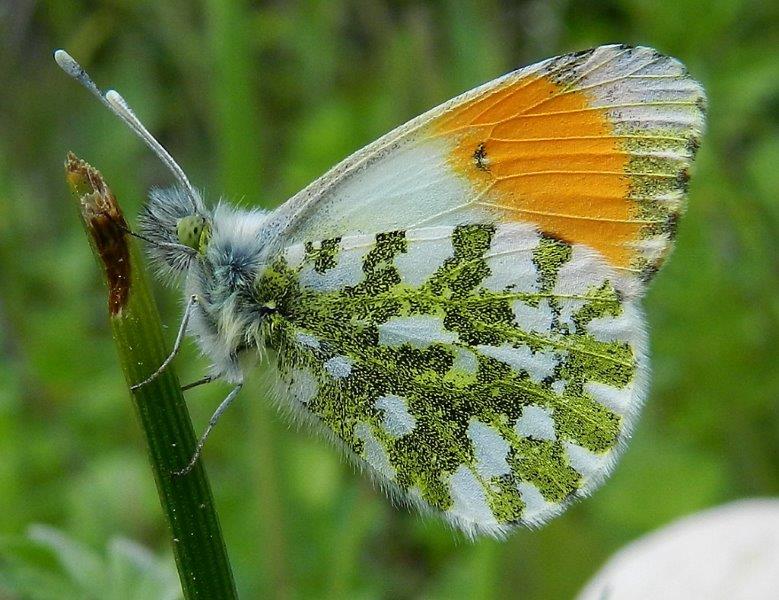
[114, 102]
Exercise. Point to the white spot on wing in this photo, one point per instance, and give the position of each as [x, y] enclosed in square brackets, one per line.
[655, 247]
[587, 463]
[420, 331]
[609, 329]
[609, 63]
[611, 397]
[490, 449]
[644, 119]
[373, 452]
[510, 259]
[397, 420]
[303, 385]
[536, 506]
[426, 251]
[347, 270]
[646, 90]
[628, 327]
[585, 271]
[306, 339]
[468, 500]
[294, 255]
[538, 365]
[465, 361]
[558, 386]
[536, 422]
[339, 367]
[533, 318]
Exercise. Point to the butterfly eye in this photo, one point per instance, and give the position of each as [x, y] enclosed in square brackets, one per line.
[193, 231]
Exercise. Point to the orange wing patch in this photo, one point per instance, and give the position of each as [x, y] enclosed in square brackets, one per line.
[541, 153]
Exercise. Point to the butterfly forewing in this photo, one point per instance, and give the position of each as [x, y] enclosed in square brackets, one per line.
[592, 148]
[485, 371]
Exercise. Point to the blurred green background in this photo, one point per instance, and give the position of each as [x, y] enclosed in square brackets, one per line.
[257, 100]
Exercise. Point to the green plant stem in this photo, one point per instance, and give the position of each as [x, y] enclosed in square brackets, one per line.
[198, 547]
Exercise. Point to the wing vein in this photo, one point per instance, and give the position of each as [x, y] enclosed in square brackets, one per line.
[542, 213]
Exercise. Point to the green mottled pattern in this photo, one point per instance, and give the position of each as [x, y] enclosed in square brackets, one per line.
[441, 394]
[323, 255]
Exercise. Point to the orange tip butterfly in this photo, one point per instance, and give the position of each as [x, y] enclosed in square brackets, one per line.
[456, 306]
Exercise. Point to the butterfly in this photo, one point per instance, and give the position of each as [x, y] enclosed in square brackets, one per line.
[456, 306]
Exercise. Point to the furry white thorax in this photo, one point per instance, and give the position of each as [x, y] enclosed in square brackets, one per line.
[225, 322]
[227, 325]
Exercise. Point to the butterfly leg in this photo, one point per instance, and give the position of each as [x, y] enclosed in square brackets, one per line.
[211, 424]
[202, 381]
[176, 345]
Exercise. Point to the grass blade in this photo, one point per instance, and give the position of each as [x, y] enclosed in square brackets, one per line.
[201, 557]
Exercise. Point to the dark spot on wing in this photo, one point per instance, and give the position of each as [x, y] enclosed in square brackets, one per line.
[480, 157]
[683, 179]
[671, 224]
[693, 144]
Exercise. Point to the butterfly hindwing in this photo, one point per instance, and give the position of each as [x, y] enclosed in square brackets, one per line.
[485, 371]
[457, 305]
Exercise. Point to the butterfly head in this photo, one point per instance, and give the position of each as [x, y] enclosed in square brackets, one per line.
[177, 229]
